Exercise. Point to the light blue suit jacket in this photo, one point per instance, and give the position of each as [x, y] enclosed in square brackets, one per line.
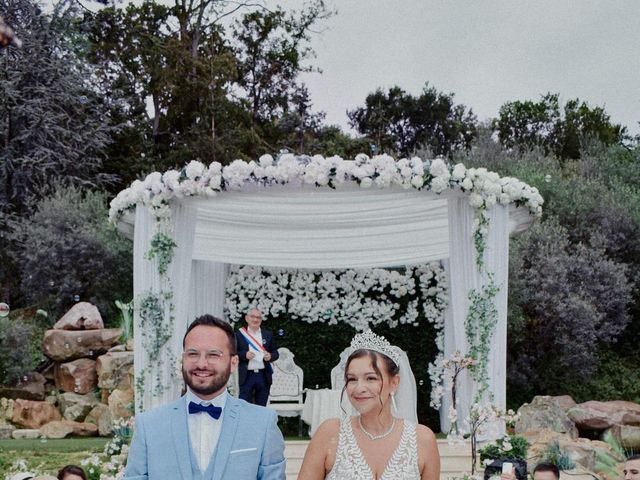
[250, 445]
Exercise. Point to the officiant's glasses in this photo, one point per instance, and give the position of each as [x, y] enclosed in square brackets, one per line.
[213, 357]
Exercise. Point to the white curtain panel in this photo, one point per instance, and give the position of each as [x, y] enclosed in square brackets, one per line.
[146, 278]
[307, 227]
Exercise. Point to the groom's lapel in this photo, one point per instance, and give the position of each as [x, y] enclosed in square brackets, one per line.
[181, 440]
[227, 434]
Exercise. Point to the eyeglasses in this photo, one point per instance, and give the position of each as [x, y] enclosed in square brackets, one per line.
[212, 357]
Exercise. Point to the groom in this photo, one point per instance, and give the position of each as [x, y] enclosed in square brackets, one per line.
[207, 434]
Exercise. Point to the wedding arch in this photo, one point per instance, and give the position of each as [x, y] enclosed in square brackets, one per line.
[320, 213]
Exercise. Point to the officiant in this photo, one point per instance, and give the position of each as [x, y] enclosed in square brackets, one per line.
[256, 350]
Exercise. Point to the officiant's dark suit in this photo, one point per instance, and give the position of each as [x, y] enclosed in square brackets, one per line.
[254, 376]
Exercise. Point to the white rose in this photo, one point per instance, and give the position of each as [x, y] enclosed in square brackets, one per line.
[467, 184]
[406, 172]
[475, 200]
[438, 168]
[439, 184]
[366, 182]
[417, 181]
[459, 171]
[194, 169]
[265, 161]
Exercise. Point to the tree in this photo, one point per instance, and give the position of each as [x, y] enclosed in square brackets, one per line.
[215, 94]
[571, 300]
[53, 127]
[399, 123]
[527, 124]
[66, 247]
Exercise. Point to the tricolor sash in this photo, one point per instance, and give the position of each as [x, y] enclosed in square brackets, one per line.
[255, 344]
[252, 341]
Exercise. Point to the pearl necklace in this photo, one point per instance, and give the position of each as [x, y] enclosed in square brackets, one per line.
[376, 437]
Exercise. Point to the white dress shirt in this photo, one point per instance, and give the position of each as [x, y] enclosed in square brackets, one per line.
[204, 430]
[256, 363]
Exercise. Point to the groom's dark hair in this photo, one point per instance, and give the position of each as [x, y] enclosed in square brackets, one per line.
[211, 321]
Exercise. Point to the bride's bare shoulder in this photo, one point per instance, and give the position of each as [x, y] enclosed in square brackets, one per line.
[329, 428]
[425, 434]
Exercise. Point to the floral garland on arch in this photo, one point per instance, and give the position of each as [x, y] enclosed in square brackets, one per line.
[485, 188]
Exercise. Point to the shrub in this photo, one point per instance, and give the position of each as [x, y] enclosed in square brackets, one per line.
[18, 350]
[66, 248]
[568, 300]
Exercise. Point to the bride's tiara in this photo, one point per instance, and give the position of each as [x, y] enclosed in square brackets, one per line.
[370, 341]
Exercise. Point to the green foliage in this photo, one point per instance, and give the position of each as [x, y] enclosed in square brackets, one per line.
[511, 446]
[527, 124]
[161, 248]
[572, 277]
[399, 123]
[18, 349]
[556, 456]
[66, 247]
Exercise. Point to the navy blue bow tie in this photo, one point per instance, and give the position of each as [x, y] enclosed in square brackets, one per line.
[210, 409]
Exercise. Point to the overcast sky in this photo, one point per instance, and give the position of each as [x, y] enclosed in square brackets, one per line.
[486, 52]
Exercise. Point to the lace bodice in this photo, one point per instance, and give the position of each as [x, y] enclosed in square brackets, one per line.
[350, 463]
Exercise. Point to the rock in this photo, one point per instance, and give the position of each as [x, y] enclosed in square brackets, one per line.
[25, 434]
[113, 370]
[32, 414]
[544, 413]
[56, 429]
[582, 451]
[594, 415]
[82, 316]
[117, 348]
[33, 382]
[627, 435]
[77, 376]
[6, 408]
[76, 407]
[121, 403]
[5, 431]
[64, 428]
[565, 402]
[15, 393]
[101, 416]
[129, 345]
[65, 345]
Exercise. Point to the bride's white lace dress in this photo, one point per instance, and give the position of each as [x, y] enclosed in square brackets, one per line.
[350, 463]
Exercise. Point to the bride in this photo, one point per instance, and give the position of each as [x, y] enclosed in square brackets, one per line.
[383, 441]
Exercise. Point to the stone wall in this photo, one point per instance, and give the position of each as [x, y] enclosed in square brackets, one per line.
[89, 385]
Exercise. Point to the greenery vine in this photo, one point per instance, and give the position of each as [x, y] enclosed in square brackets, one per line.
[161, 248]
[156, 311]
[480, 324]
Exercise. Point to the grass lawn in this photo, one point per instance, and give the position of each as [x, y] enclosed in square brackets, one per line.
[47, 456]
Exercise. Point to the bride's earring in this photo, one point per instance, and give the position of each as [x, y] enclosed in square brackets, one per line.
[393, 403]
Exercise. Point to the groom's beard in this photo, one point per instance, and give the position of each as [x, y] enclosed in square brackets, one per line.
[215, 382]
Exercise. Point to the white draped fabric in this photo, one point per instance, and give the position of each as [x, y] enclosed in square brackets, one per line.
[464, 277]
[304, 227]
[311, 228]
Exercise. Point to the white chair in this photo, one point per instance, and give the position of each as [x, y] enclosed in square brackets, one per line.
[337, 372]
[286, 394]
